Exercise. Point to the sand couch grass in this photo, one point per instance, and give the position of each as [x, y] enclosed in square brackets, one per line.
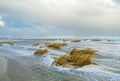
[41, 52]
[8, 43]
[36, 44]
[76, 58]
[76, 40]
[57, 45]
[96, 39]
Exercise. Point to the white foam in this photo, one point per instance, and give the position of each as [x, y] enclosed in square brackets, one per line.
[56, 52]
[46, 60]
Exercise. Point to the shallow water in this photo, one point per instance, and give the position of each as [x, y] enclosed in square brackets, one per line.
[22, 65]
[29, 69]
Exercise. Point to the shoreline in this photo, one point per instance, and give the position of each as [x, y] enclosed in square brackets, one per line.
[3, 69]
[17, 70]
[11, 69]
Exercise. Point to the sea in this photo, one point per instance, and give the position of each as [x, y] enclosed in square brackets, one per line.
[22, 65]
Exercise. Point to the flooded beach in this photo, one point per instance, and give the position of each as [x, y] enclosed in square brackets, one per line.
[19, 63]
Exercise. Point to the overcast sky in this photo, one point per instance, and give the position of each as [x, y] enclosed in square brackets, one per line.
[60, 17]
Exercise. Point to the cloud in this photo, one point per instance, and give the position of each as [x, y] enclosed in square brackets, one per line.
[95, 14]
[2, 23]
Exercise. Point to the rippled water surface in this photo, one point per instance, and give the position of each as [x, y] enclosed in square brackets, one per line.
[19, 63]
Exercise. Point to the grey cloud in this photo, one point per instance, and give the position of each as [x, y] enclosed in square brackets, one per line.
[93, 14]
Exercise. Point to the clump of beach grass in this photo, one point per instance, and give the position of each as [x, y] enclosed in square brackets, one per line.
[96, 39]
[8, 43]
[76, 40]
[76, 58]
[36, 44]
[57, 45]
[41, 52]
